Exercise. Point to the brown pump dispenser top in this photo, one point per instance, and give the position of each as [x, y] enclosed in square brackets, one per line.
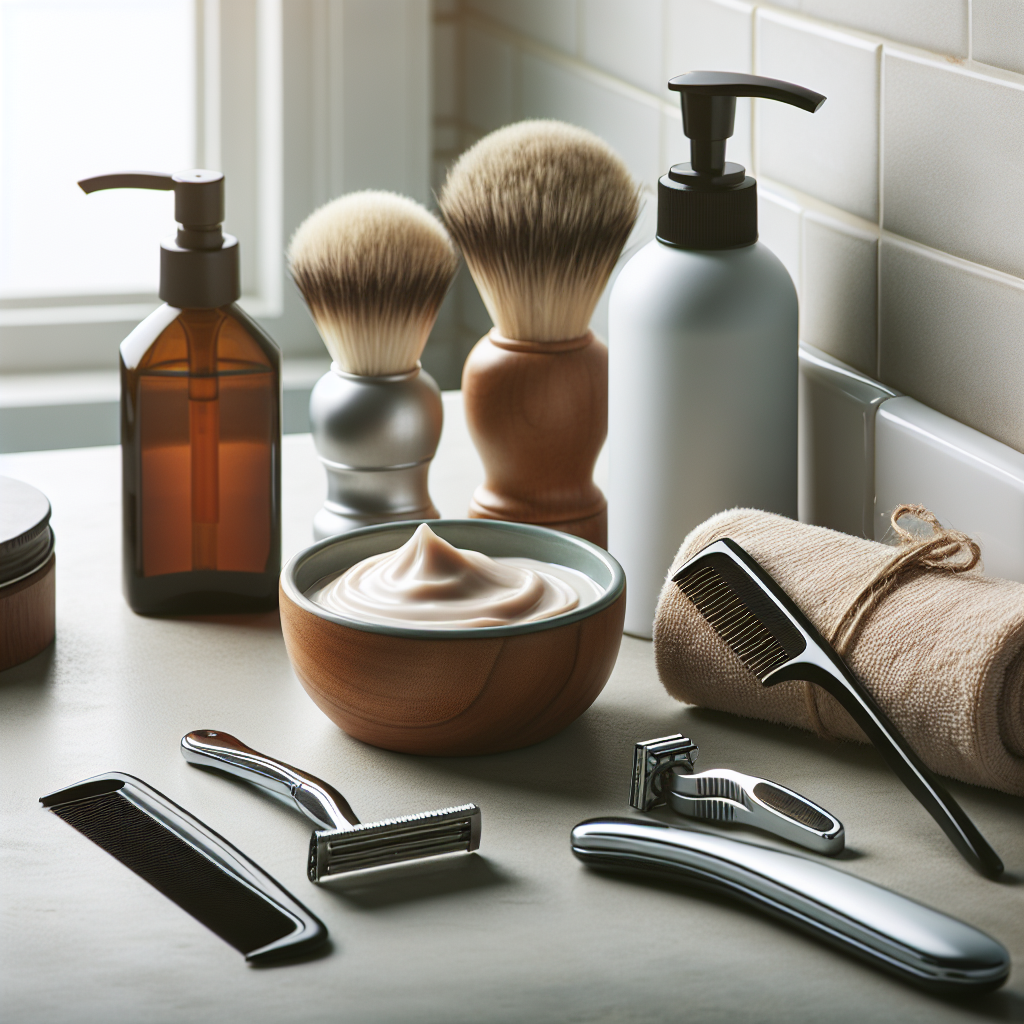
[199, 267]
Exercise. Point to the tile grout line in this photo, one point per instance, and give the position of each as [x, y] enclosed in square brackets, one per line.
[755, 163]
[880, 178]
[527, 44]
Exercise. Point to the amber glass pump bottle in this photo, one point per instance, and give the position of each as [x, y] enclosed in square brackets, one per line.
[200, 423]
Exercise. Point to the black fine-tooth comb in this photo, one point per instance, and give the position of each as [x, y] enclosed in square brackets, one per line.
[190, 864]
[775, 640]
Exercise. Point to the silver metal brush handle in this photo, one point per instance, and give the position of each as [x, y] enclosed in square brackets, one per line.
[375, 437]
[317, 800]
[726, 795]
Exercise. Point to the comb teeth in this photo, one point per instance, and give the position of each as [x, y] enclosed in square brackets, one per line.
[429, 834]
[754, 644]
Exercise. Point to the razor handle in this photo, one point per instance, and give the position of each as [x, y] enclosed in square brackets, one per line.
[889, 931]
[317, 800]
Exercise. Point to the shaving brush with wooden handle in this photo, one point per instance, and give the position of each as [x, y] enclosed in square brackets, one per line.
[541, 211]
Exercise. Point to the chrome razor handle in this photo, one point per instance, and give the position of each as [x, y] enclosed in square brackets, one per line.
[662, 773]
[725, 795]
[317, 800]
[889, 931]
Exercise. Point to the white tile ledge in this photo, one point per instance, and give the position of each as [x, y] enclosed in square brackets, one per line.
[970, 481]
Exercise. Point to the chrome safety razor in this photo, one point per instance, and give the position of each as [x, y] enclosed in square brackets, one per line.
[662, 775]
[340, 843]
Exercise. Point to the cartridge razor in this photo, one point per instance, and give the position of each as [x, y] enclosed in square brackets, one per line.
[341, 843]
[662, 774]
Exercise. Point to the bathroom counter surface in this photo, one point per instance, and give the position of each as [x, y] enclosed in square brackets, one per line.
[520, 932]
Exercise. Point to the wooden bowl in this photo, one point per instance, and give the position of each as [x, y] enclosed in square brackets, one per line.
[453, 691]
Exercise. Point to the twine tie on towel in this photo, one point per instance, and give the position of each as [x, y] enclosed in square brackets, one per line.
[942, 550]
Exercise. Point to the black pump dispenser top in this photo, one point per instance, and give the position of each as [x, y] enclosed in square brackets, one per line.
[709, 203]
[199, 267]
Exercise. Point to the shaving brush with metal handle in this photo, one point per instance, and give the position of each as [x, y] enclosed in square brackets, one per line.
[374, 268]
[375, 437]
[541, 211]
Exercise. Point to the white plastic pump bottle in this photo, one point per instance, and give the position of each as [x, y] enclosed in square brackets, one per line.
[702, 341]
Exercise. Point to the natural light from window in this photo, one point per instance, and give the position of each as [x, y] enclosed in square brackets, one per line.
[90, 87]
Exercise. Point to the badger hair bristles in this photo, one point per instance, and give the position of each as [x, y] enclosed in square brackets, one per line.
[373, 268]
[541, 211]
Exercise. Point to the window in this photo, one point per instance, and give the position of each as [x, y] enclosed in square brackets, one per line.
[296, 101]
[94, 86]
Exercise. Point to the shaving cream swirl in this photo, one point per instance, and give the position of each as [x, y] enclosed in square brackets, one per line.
[430, 584]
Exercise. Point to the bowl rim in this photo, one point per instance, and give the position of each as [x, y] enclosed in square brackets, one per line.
[611, 594]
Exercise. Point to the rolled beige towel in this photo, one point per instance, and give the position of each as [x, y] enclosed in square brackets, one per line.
[941, 652]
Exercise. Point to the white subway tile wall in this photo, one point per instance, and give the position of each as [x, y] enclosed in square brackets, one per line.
[937, 25]
[840, 291]
[898, 208]
[954, 160]
[997, 32]
[625, 39]
[631, 124]
[952, 336]
[554, 22]
[709, 35]
[832, 154]
[778, 224]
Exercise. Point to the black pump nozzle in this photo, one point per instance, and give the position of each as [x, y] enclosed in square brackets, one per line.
[709, 110]
[200, 267]
[708, 203]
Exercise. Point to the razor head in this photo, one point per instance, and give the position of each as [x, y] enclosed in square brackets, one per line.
[736, 597]
[650, 759]
[376, 844]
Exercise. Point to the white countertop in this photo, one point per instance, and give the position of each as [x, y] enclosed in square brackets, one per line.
[520, 932]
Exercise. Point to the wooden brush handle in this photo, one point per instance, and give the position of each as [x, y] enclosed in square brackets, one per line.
[538, 415]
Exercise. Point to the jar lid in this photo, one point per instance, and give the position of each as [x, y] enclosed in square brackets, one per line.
[26, 539]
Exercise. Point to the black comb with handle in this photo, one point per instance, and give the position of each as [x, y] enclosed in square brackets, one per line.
[771, 636]
[190, 864]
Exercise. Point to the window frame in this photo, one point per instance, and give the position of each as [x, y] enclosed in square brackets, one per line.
[297, 102]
